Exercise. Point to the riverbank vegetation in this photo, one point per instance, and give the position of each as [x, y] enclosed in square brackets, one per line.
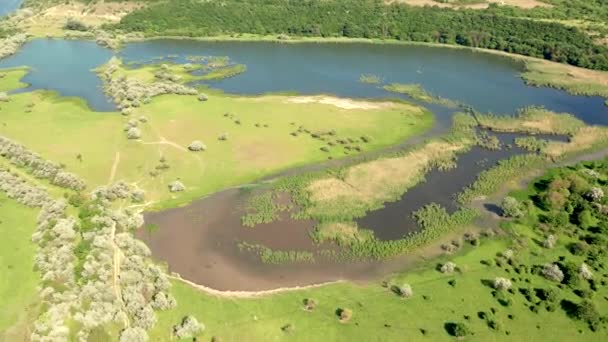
[371, 19]
[416, 92]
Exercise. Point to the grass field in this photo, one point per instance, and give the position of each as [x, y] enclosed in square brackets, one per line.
[574, 80]
[10, 79]
[264, 135]
[18, 280]
[378, 313]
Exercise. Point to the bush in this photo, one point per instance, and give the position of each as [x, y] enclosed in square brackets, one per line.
[345, 314]
[585, 272]
[457, 329]
[133, 334]
[511, 207]
[4, 97]
[134, 133]
[75, 25]
[310, 304]
[188, 328]
[406, 291]
[202, 97]
[553, 272]
[502, 284]
[223, 137]
[550, 241]
[197, 146]
[176, 186]
[448, 267]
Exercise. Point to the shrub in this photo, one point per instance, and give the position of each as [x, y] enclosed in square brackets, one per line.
[587, 312]
[345, 314]
[457, 329]
[176, 186]
[287, 328]
[188, 328]
[4, 97]
[406, 291]
[511, 207]
[310, 304]
[197, 146]
[223, 137]
[448, 267]
[134, 133]
[553, 272]
[502, 283]
[202, 97]
[133, 334]
[75, 25]
[550, 241]
[585, 272]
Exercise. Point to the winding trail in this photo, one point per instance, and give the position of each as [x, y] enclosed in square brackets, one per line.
[164, 141]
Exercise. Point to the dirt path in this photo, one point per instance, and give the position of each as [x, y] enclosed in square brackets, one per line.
[114, 167]
[164, 141]
[251, 294]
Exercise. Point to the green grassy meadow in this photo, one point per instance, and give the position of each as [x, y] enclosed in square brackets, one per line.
[259, 131]
[18, 279]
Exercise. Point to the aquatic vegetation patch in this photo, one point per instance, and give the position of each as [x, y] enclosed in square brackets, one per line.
[342, 233]
[262, 208]
[370, 79]
[532, 120]
[532, 144]
[270, 256]
[417, 92]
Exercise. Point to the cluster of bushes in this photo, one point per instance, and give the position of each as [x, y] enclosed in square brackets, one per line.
[56, 238]
[372, 19]
[118, 190]
[20, 156]
[18, 189]
[568, 204]
[131, 92]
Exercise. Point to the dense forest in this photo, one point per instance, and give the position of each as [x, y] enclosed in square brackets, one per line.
[371, 19]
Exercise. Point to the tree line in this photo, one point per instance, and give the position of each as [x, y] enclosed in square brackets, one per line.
[370, 19]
